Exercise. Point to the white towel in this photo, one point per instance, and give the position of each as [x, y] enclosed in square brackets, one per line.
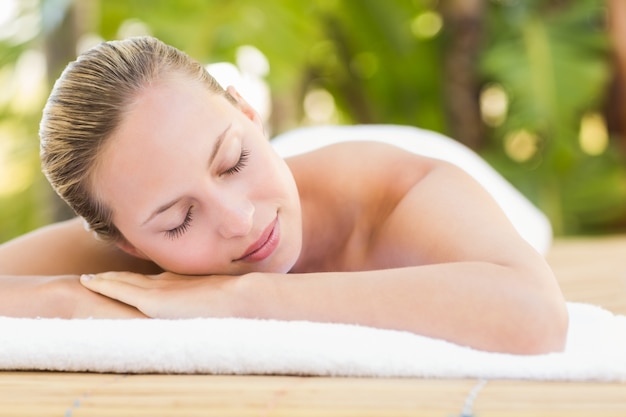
[596, 349]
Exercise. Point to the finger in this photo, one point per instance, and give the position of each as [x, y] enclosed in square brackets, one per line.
[138, 280]
[118, 289]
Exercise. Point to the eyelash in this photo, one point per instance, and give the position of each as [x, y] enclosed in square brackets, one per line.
[180, 230]
[243, 160]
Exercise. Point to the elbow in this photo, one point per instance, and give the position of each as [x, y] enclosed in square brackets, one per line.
[544, 331]
[539, 320]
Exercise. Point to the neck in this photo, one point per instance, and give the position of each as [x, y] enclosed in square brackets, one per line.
[326, 225]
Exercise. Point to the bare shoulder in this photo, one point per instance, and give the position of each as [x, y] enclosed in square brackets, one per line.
[357, 187]
[365, 151]
[422, 210]
[360, 162]
[410, 209]
[445, 215]
[370, 177]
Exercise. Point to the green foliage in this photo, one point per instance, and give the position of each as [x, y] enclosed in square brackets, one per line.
[552, 60]
[362, 51]
[22, 188]
[550, 57]
[212, 30]
[377, 69]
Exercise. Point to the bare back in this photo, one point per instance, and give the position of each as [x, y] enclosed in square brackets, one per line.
[369, 205]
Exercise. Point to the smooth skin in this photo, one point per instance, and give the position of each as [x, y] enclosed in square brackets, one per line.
[368, 233]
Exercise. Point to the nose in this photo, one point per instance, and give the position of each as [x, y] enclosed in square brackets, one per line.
[235, 217]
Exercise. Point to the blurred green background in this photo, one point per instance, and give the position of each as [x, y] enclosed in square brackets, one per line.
[534, 86]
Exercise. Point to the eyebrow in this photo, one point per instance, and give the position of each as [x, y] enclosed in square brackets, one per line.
[169, 204]
[218, 143]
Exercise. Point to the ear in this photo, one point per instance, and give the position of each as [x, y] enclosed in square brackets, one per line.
[130, 249]
[245, 108]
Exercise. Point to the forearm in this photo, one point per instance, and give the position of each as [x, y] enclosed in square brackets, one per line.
[65, 248]
[478, 304]
[56, 297]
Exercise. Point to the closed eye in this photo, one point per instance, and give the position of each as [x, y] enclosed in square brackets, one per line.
[243, 160]
[180, 230]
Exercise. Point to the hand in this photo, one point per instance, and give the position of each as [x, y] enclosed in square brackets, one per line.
[167, 295]
[87, 304]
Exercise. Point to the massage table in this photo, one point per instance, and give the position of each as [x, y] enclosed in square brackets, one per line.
[590, 270]
[40, 380]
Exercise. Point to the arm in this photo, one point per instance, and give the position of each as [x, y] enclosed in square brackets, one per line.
[65, 248]
[57, 297]
[446, 263]
[39, 274]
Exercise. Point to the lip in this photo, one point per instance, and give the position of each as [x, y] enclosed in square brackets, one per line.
[265, 245]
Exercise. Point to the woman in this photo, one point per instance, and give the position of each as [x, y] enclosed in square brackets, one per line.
[177, 174]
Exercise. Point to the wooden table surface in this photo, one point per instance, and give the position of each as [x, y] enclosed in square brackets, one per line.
[589, 270]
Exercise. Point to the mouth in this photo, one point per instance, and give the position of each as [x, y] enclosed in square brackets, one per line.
[265, 245]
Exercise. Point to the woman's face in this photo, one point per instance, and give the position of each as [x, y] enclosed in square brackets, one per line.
[195, 186]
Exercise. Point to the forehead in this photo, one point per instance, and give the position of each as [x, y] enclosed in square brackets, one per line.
[168, 112]
[167, 95]
[167, 123]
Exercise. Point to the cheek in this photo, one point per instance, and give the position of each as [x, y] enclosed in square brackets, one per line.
[264, 174]
[188, 258]
[279, 175]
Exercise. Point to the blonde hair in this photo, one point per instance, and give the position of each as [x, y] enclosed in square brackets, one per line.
[87, 104]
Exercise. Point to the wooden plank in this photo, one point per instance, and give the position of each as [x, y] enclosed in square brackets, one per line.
[548, 399]
[592, 270]
[90, 395]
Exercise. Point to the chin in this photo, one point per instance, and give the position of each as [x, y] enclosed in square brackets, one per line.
[281, 264]
[294, 255]
[286, 268]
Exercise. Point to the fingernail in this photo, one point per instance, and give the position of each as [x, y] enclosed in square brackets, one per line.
[87, 277]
